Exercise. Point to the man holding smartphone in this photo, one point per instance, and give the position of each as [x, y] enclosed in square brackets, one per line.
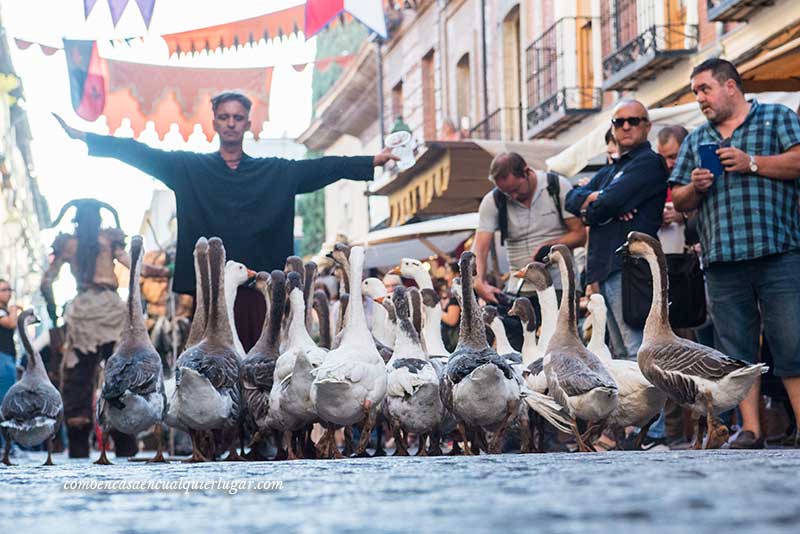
[749, 226]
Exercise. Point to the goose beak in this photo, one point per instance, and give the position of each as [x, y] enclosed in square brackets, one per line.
[394, 270]
[379, 300]
[520, 274]
[251, 273]
[623, 249]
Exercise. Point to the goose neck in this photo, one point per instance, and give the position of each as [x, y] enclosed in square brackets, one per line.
[356, 322]
[503, 345]
[658, 317]
[566, 322]
[432, 331]
[218, 324]
[598, 341]
[472, 331]
[298, 335]
[530, 350]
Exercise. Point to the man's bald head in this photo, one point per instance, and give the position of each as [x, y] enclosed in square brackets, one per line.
[631, 124]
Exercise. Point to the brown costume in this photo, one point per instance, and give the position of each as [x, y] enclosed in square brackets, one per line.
[93, 319]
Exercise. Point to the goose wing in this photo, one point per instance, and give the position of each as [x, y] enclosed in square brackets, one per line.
[463, 362]
[139, 374]
[674, 368]
[21, 404]
[569, 376]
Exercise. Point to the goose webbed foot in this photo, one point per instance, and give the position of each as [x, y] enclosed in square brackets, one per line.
[496, 445]
[49, 460]
[716, 433]
[366, 430]
[197, 456]
[698, 435]
[582, 446]
[233, 455]
[103, 460]
[159, 457]
[400, 444]
[422, 451]
[6, 460]
[349, 447]
[462, 430]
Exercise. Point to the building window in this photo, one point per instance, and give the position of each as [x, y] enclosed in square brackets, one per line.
[397, 100]
[463, 93]
[429, 96]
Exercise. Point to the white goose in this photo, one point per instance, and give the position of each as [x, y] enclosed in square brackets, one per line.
[576, 378]
[351, 383]
[236, 274]
[290, 406]
[412, 395]
[639, 401]
[538, 275]
[383, 320]
[133, 398]
[691, 374]
[207, 396]
[502, 344]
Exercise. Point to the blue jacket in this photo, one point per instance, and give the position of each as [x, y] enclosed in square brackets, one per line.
[636, 181]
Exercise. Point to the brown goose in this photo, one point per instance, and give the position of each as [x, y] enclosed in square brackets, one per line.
[32, 411]
[323, 309]
[691, 374]
[258, 368]
[478, 386]
[207, 395]
[576, 378]
[132, 399]
[412, 400]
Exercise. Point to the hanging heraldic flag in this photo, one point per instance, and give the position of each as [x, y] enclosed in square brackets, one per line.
[87, 83]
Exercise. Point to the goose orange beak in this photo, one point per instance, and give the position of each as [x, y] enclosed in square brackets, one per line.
[379, 300]
[520, 274]
[394, 270]
[251, 273]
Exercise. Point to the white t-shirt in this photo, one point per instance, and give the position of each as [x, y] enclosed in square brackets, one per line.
[528, 228]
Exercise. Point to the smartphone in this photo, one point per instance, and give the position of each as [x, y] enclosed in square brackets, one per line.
[710, 160]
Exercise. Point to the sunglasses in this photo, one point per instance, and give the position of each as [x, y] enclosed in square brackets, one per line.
[633, 121]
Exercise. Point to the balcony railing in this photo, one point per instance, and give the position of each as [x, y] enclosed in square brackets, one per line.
[561, 82]
[504, 124]
[638, 44]
[734, 10]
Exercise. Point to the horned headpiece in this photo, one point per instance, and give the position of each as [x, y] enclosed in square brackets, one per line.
[86, 204]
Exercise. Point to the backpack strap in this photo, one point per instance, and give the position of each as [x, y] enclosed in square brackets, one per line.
[501, 202]
[554, 190]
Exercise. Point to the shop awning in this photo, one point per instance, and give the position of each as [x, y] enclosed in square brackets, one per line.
[437, 237]
[572, 160]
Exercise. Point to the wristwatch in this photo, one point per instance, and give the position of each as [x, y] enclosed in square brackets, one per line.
[753, 165]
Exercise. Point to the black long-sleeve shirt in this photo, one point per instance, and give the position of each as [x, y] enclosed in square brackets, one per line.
[636, 181]
[251, 208]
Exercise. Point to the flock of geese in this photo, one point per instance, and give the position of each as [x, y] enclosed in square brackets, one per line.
[389, 365]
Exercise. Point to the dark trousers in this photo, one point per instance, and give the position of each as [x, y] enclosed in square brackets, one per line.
[249, 312]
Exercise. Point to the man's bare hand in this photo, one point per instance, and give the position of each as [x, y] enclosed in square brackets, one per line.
[733, 159]
[702, 180]
[487, 292]
[384, 157]
[72, 132]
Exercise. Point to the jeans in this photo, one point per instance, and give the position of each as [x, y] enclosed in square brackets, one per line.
[746, 294]
[8, 375]
[625, 339]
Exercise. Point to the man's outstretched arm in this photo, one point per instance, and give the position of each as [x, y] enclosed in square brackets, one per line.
[157, 163]
[313, 174]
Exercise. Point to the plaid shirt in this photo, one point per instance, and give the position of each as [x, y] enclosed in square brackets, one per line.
[745, 216]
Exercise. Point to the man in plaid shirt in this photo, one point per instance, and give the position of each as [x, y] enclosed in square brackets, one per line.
[749, 227]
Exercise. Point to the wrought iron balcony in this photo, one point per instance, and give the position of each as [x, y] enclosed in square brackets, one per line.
[638, 45]
[504, 124]
[734, 10]
[560, 86]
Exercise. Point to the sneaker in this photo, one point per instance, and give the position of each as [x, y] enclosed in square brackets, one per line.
[747, 440]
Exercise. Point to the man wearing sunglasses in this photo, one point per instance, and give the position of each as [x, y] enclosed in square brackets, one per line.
[626, 195]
